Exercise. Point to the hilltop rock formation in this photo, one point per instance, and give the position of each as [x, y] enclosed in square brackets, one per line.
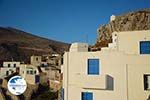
[138, 20]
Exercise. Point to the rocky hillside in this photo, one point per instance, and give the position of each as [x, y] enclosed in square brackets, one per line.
[138, 20]
[18, 45]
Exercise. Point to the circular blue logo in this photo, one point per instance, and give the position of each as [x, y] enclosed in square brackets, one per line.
[17, 85]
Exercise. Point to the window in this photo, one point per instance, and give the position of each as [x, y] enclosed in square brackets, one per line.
[27, 71]
[7, 73]
[147, 82]
[87, 96]
[37, 59]
[145, 47]
[35, 72]
[93, 66]
[62, 61]
[8, 65]
[14, 65]
[31, 72]
[37, 78]
[43, 65]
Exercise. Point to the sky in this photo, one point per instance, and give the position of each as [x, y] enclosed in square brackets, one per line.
[64, 20]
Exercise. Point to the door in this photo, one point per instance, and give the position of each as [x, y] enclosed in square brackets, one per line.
[37, 78]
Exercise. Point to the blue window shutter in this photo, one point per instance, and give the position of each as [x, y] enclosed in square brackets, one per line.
[145, 47]
[93, 66]
[87, 96]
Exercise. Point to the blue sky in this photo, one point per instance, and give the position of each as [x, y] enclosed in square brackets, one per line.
[64, 20]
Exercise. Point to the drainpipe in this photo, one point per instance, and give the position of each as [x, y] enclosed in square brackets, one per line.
[67, 73]
[127, 81]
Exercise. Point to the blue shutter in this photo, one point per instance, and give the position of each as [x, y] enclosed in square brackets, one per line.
[87, 96]
[93, 66]
[145, 47]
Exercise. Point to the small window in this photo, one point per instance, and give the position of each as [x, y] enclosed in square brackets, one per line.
[145, 47]
[93, 66]
[31, 72]
[62, 61]
[14, 65]
[27, 71]
[8, 65]
[7, 73]
[37, 78]
[37, 59]
[42, 65]
[147, 82]
[86, 96]
[35, 72]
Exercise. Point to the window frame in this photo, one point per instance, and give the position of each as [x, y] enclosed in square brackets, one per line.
[146, 88]
[145, 51]
[93, 62]
[9, 65]
[85, 95]
[15, 65]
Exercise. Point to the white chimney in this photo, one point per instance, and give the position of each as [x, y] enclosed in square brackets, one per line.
[112, 18]
[79, 47]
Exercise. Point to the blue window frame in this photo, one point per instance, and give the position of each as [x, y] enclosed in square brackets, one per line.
[145, 47]
[87, 96]
[93, 66]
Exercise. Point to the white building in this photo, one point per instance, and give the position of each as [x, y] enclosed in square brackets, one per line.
[30, 73]
[12, 64]
[118, 72]
[8, 68]
[36, 60]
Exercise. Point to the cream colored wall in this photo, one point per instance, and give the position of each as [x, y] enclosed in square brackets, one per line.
[3, 71]
[129, 41]
[25, 67]
[136, 82]
[5, 64]
[79, 47]
[35, 62]
[122, 64]
[112, 63]
[30, 79]
[78, 70]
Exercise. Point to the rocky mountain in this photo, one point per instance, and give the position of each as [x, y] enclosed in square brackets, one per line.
[19, 45]
[138, 20]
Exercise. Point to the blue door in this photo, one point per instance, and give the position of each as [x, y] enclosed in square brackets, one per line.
[87, 96]
[145, 47]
